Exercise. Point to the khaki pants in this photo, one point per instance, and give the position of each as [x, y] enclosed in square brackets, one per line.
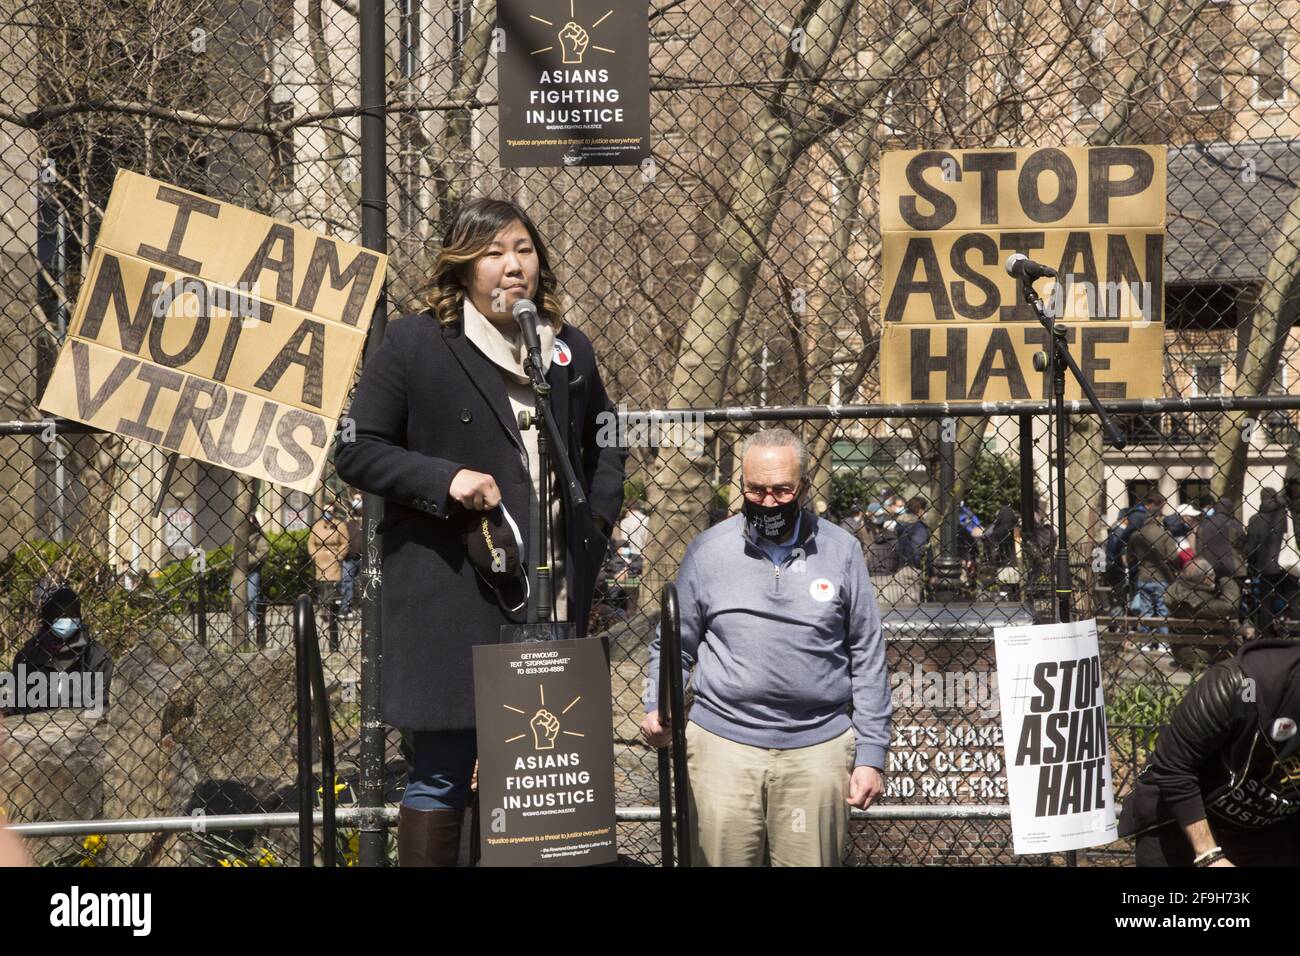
[746, 799]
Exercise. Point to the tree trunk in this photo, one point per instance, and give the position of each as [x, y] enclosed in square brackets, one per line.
[1275, 313]
[842, 304]
[1084, 471]
[20, 314]
[245, 503]
[452, 173]
[680, 492]
[339, 187]
[784, 130]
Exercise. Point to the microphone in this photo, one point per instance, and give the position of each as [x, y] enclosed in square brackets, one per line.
[526, 315]
[1020, 266]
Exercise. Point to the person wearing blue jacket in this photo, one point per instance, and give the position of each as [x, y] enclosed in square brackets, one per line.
[781, 636]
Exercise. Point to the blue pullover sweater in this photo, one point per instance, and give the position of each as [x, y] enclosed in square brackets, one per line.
[783, 655]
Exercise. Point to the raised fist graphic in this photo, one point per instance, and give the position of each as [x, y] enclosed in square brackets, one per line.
[573, 42]
[545, 728]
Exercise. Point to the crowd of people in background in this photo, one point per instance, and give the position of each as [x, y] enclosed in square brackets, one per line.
[1188, 562]
[1196, 562]
[900, 542]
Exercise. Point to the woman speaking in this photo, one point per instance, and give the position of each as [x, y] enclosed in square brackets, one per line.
[437, 437]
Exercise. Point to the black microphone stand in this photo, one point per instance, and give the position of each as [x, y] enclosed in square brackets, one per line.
[541, 597]
[1056, 360]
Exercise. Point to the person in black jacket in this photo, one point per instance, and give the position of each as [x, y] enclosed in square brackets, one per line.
[436, 435]
[1265, 535]
[1221, 540]
[914, 535]
[1000, 542]
[61, 648]
[1223, 785]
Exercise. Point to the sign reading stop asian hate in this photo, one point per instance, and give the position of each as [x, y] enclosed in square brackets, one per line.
[215, 332]
[954, 325]
[1054, 736]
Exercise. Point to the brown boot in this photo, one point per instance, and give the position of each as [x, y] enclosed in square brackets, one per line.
[428, 837]
[475, 852]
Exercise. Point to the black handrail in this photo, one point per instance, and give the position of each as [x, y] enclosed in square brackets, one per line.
[666, 643]
[310, 674]
[674, 812]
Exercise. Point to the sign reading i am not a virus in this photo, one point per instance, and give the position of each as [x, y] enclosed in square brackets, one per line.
[574, 84]
[545, 754]
[215, 332]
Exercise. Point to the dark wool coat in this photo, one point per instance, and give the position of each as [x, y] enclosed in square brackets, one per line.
[428, 404]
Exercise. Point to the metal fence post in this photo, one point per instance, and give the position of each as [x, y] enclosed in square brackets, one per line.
[203, 609]
[374, 235]
[1026, 436]
[260, 613]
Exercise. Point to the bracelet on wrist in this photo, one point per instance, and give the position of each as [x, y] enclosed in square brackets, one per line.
[1212, 855]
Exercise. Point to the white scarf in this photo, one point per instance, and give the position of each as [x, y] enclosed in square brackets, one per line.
[504, 347]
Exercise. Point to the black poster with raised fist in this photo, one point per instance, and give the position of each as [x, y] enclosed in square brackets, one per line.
[546, 754]
[574, 82]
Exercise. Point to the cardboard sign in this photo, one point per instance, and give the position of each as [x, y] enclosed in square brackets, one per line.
[994, 363]
[574, 83]
[951, 218]
[970, 190]
[1104, 275]
[216, 332]
[1055, 739]
[545, 754]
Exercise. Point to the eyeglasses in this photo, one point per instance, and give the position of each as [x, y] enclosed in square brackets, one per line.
[781, 493]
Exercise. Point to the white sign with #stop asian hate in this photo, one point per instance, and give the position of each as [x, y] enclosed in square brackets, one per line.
[1054, 735]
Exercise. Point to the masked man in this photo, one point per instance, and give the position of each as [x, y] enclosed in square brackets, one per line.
[779, 625]
[63, 647]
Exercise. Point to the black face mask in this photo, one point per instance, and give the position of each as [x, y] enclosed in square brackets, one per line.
[772, 521]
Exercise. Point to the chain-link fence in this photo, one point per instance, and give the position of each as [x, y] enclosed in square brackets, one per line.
[739, 268]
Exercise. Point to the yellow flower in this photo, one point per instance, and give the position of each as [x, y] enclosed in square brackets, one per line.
[94, 843]
[339, 787]
[268, 858]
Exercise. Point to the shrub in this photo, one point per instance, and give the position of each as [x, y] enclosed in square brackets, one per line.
[286, 572]
[117, 616]
[633, 488]
[847, 488]
[993, 481]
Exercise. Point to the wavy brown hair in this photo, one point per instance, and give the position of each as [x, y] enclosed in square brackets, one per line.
[473, 227]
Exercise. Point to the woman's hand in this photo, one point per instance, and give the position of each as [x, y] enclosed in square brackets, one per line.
[475, 490]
